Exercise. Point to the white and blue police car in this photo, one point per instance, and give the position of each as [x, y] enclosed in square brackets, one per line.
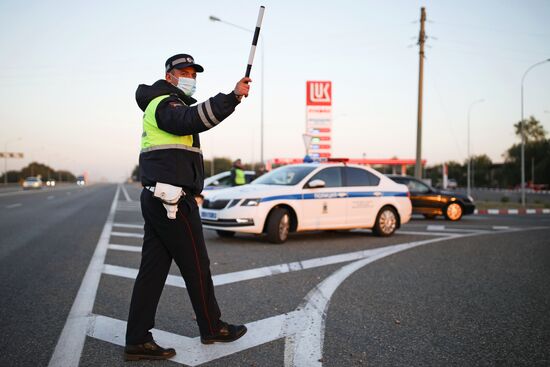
[306, 197]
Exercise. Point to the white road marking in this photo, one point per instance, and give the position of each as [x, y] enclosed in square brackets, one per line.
[500, 227]
[113, 246]
[13, 206]
[305, 348]
[125, 192]
[465, 230]
[190, 351]
[132, 206]
[307, 321]
[128, 225]
[71, 341]
[420, 233]
[127, 234]
[50, 197]
[250, 274]
[442, 228]
[302, 328]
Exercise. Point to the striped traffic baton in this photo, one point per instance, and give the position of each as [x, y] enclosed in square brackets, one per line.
[255, 40]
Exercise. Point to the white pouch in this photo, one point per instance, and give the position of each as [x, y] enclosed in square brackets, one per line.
[170, 197]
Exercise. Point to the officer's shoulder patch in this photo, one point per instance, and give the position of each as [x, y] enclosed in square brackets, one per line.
[175, 104]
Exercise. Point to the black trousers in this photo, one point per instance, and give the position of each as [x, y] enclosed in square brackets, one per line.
[182, 240]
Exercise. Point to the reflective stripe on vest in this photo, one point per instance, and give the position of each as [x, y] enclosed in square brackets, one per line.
[153, 138]
[239, 177]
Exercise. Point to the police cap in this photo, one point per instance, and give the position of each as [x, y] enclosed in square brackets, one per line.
[181, 61]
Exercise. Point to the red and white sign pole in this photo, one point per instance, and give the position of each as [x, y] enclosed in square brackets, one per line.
[319, 118]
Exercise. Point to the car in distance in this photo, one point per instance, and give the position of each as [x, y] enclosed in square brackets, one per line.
[452, 184]
[81, 181]
[222, 180]
[431, 202]
[219, 181]
[32, 183]
[50, 182]
[305, 197]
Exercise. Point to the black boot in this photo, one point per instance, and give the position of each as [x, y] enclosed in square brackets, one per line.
[226, 334]
[149, 350]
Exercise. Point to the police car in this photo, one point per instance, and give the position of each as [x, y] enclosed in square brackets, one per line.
[304, 197]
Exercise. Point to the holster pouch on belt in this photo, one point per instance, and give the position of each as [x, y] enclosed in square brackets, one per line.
[170, 197]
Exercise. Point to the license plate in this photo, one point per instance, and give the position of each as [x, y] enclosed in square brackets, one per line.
[209, 215]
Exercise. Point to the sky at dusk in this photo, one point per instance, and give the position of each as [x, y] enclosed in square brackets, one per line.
[69, 70]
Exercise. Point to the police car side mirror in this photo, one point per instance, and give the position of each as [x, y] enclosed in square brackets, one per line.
[316, 184]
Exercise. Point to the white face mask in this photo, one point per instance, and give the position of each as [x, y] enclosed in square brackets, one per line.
[187, 85]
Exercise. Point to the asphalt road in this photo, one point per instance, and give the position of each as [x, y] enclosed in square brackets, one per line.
[473, 293]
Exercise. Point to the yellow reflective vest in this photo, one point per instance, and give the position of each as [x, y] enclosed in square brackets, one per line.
[154, 138]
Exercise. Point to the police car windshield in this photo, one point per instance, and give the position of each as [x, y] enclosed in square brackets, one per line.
[287, 175]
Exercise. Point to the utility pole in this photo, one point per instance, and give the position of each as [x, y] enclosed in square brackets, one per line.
[421, 41]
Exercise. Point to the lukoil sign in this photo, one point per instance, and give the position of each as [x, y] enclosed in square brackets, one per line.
[319, 93]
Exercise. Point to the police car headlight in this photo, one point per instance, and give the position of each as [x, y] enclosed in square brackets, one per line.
[251, 202]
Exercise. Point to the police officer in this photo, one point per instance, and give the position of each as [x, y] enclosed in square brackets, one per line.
[238, 177]
[171, 158]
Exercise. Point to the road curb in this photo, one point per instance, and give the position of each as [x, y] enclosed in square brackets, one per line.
[511, 211]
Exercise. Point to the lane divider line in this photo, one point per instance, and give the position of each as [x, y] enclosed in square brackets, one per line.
[500, 227]
[419, 233]
[128, 225]
[262, 272]
[69, 347]
[128, 248]
[126, 196]
[127, 234]
[16, 205]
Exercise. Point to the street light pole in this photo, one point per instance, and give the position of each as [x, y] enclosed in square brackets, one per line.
[469, 156]
[523, 133]
[216, 19]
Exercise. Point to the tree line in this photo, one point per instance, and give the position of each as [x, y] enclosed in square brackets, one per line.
[38, 169]
[486, 173]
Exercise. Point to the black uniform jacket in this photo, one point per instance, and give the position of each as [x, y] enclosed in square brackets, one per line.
[174, 115]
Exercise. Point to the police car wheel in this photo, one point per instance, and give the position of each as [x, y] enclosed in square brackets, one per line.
[278, 225]
[386, 222]
[225, 234]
